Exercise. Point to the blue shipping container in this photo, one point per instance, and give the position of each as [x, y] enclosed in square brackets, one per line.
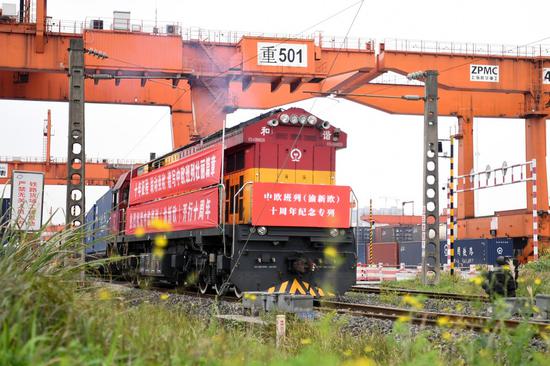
[410, 253]
[362, 234]
[470, 251]
[103, 222]
[4, 210]
[89, 221]
[499, 247]
[361, 253]
[467, 252]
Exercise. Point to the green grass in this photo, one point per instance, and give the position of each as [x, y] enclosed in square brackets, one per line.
[534, 278]
[448, 283]
[49, 317]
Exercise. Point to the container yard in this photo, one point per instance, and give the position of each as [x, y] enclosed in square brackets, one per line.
[312, 185]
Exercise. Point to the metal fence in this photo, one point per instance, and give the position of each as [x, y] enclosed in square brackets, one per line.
[167, 28]
[467, 48]
[34, 159]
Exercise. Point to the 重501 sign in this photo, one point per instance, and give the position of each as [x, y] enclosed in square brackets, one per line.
[310, 205]
[282, 54]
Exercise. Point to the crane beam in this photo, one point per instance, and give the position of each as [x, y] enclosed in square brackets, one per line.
[97, 173]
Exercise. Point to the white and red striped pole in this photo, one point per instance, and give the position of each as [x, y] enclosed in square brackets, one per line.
[535, 216]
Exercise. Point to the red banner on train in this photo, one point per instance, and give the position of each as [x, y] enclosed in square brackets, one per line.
[278, 204]
[198, 170]
[196, 210]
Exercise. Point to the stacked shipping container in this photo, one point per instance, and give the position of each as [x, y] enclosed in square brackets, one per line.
[395, 245]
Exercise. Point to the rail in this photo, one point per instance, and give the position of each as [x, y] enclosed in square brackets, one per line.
[429, 294]
[424, 317]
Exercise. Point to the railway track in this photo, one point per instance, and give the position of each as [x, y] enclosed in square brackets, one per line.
[429, 294]
[379, 312]
[423, 317]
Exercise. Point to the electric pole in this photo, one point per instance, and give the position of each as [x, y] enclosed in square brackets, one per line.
[430, 205]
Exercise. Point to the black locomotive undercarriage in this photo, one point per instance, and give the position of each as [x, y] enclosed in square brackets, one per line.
[275, 261]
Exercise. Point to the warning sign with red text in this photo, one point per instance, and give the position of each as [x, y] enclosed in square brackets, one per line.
[196, 210]
[281, 204]
[26, 200]
[198, 170]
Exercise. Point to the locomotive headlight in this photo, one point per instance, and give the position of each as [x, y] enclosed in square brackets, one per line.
[303, 119]
[312, 120]
[333, 232]
[262, 230]
[284, 118]
[293, 119]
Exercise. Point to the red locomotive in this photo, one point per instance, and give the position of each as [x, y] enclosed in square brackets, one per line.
[273, 220]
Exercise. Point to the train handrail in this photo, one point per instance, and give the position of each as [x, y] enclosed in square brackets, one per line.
[357, 206]
[235, 205]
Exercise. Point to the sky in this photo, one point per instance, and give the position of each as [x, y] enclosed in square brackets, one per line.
[383, 160]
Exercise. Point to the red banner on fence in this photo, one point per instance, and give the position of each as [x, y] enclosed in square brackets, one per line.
[279, 204]
[196, 210]
[192, 172]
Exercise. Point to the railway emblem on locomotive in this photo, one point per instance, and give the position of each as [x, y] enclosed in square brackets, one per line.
[295, 155]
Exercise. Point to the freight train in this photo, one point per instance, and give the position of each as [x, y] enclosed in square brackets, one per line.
[249, 208]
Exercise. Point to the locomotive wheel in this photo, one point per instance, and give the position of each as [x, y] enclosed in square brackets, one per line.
[203, 287]
[142, 281]
[237, 293]
[218, 289]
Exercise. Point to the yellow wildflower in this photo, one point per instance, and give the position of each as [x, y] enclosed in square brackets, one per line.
[249, 296]
[412, 301]
[538, 281]
[161, 241]
[404, 319]
[104, 294]
[330, 252]
[158, 252]
[478, 280]
[443, 321]
[140, 231]
[305, 341]
[164, 296]
[446, 336]
[363, 361]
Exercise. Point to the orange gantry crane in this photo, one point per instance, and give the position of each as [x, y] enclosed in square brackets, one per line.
[101, 172]
[204, 75]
